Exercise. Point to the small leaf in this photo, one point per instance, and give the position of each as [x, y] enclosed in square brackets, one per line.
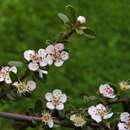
[38, 106]
[89, 33]
[15, 63]
[71, 13]
[63, 17]
[79, 31]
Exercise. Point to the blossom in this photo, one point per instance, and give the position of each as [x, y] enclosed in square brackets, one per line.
[47, 119]
[81, 19]
[107, 91]
[5, 74]
[56, 54]
[124, 85]
[124, 123]
[99, 113]
[78, 120]
[23, 87]
[56, 100]
[36, 60]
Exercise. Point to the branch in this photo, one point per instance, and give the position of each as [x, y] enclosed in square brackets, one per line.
[25, 118]
[120, 100]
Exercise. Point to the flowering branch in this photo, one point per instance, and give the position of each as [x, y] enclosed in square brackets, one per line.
[55, 54]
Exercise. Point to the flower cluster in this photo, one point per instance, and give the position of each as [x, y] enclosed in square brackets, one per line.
[52, 54]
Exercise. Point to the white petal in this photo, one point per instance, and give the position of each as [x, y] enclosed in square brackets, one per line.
[58, 63]
[14, 69]
[101, 88]
[41, 72]
[124, 116]
[56, 93]
[92, 110]
[1, 77]
[63, 98]
[128, 86]
[48, 96]
[43, 62]
[15, 83]
[8, 79]
[64, 55]
[50, 105]
[97, 118]
[42, 52]
[122, 126]
[72, 117]
[50, 123]
[28, 53]
[33, 66]
[31, 85]
[101, 107]
[60, 106]
[59, 47]
[50, 49]
[49, 59]
[108, 115]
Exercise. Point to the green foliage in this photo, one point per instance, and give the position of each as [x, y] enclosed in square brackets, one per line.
[63, 17]
[26, 24]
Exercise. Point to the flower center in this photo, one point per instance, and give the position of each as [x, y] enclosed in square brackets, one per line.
[45, 117]
[35, 58]
[109, 90]
[56, 55]
[101, 112]
[21, 87]
[56, 100]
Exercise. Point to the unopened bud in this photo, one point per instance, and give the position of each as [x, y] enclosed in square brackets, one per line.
[81, 19]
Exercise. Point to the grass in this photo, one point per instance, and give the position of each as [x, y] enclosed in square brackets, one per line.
[27, 24]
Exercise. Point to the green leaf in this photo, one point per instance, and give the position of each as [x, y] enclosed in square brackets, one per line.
[38, 106]
[79, 31]
[89, 33]
[16, 63]
[63, 17]
[71, 12]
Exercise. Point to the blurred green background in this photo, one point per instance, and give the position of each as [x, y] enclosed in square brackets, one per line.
[26, 24]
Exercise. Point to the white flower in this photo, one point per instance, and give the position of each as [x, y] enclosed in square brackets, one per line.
[47, 119]
[36, 60]
[5, 74]
[124, 123]
[56, 100]
[56, 54]
[107, 91]
[99, 113]
[23, 87]
[81, 19]
[124, 85]
[78, 120]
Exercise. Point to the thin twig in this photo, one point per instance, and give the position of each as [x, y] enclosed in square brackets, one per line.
[26, 118]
